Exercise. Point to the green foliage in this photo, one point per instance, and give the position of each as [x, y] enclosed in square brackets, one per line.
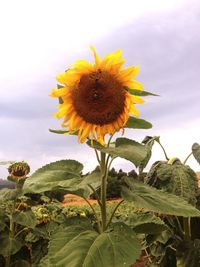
[135, 123]
[142, 222]
[124, 148]
[64, 175]
[196, 152]
[25, 218]
[140, 92]
[148, 142]
[149, 198]
[87, 248]
[174, 178]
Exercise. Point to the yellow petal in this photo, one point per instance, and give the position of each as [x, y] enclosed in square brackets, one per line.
[137, 99]
[96, 57]
[100, 136]
[134, 111]
[134, 85]
[86, 132]
[83, 66]
[59, 92]
[113, 62]
[68, 78]
[128, 73]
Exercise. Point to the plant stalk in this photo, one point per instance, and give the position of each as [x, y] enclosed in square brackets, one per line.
[184, 162]
[187, 228]
[11, 236]
[103, 191]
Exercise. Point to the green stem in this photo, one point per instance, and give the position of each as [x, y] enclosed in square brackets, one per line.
[95, 193]
[187, 228]
[97, 156]
[184, 162]
[113, 213]
[11, 237]
[103, 191]
[163, 150]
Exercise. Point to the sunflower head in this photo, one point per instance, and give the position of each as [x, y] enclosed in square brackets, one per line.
[95, 98]
[18, 171]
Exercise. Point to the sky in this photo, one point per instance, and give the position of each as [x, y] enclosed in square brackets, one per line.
[40, 39]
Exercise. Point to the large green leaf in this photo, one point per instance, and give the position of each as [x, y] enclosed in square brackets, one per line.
[64, 175]
[25, 218]
[196, 152]
[149, 198]
[174, 178]
[9, 194]
[77, 247]
[7, 247]
[135, 123]
[124, 148]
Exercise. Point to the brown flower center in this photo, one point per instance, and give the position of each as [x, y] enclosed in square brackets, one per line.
[99, 98]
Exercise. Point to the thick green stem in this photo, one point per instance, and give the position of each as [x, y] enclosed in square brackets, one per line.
[187, 228]
[103, 191]
[11, 237]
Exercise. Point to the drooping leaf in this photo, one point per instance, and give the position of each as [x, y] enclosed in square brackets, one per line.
[196, 152]
[148, 142]
[79, 247]
[124, 148]
[135, 123]
[140, 92]
[149, 198]
[64, 175]
[25, 218]
[175, 178]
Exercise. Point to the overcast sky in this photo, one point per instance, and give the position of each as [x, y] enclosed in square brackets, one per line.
[39, 39]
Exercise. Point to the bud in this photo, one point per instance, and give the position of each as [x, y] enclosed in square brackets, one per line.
[18, 171]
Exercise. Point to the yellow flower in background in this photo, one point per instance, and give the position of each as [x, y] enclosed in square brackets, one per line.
[95, 98]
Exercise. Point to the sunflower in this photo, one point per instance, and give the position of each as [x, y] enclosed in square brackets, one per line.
[95, 97]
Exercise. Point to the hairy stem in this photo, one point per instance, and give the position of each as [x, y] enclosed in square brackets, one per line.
[113, 213]
[163, 150]
[184, 162]
[103, 191]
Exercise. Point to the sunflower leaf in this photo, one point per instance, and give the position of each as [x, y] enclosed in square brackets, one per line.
[64, 176]
[140, 92]
[87, 248]
[62, 132]
[135, 123]
[196, 152]
[124, 148]
[149, 198]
